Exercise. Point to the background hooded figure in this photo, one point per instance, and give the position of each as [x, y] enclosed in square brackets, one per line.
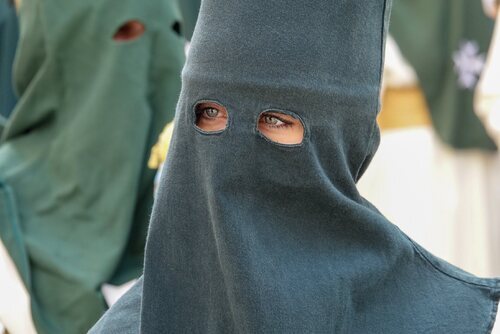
[97, 80]
[436, 174]
[253, 236]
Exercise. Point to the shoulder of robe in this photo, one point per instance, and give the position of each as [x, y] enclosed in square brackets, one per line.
[124, 316]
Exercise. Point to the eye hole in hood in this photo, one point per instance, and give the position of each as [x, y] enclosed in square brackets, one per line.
[281, 128]
[129, 31]
[211, 117]
[177, 28]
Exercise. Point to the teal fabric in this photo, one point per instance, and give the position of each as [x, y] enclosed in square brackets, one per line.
[189, 10]
[249, 236]
[75, 190]
[9, 32]
[126, 314]
[430, 33]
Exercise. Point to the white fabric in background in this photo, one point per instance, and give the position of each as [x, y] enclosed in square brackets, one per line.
[397, 72]
[436, 195]
[439, 198]
[112, 293]
[490, 8]
[15, 308]
[496, 327]
[446, 200]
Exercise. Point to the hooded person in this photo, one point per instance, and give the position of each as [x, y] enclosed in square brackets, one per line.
[96, 86]
[258, 226]
[458, 33]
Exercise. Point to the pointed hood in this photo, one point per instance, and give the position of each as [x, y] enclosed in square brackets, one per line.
[253, 236]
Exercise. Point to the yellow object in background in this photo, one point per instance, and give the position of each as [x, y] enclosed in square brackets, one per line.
[160, 149]
[402, 108]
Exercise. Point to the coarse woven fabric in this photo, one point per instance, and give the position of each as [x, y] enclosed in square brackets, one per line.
[249, 236]
[75, 191]
[9, 32]
[431, 34]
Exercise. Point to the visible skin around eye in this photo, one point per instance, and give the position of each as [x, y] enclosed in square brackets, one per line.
[211, 116]
[129, 31]
[281, 128]
[276, 126]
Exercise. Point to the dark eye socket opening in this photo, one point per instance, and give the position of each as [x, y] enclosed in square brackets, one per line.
[129, 31]
[211, 117]
[177, 28]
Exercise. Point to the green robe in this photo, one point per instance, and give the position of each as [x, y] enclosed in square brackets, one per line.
[75, 192]
[446, 42]
[8, 41]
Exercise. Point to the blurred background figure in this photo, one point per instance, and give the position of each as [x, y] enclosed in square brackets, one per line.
[189, 9]
[436, 172]
[15, 314]
[97, 81]
[491, 7]
[9, 31]
[487, 99]
[487, 105]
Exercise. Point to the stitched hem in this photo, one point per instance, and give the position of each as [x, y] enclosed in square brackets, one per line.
[493, 315]
[490, 283]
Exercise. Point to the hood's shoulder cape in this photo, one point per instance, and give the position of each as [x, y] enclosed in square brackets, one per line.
[124, 316]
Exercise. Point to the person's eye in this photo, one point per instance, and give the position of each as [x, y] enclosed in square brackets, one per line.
[276, 121]
[273, 121]
[281, 127]
[211, 116]
[210, 113]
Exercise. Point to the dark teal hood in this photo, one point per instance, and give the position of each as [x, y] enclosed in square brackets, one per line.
[250, 236]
